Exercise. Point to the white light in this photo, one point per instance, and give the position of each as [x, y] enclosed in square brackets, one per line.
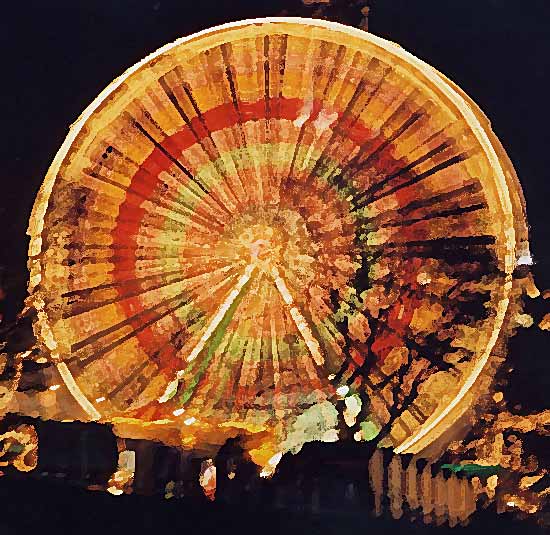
[190, 421]
[352, 410]
[525, 260]
[114, 491]
[342, 390]
[54, 387]
[511, 504]
[170, 391]
[311, 343]
[274, 461]
[269, 469]
[99, 400]
[178, 412]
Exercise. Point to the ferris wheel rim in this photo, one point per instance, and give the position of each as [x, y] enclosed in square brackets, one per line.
[450, 94]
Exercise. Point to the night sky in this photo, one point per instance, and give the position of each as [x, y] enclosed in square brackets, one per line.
[59, 54]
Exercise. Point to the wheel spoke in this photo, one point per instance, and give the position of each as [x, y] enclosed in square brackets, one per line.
[298, 318]
[210, 329]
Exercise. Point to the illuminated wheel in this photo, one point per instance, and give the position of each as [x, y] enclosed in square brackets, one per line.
[267, 216]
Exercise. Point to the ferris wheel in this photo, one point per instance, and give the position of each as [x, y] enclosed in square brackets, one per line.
[270, 217]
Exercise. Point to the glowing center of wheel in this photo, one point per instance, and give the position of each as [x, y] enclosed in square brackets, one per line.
[260, 250]
[264, 246]
[271, 237]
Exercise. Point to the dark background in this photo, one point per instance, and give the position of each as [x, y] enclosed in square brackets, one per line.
[57, 55]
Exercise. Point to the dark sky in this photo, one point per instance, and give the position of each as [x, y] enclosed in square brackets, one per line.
[59, 54]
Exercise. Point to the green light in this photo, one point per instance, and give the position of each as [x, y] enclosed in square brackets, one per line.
[369, 430]
[473, 469]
